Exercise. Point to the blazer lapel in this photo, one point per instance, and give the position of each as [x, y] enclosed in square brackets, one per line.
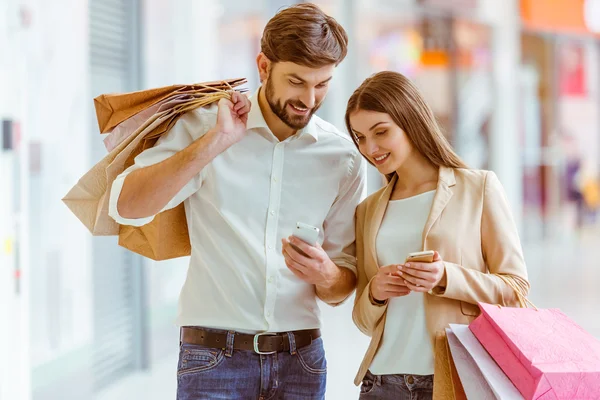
[442, 196]
[380, 207]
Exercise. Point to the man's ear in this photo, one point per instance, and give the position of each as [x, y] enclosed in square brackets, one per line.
[264, 66]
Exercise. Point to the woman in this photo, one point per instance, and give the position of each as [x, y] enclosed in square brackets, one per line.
[432, 202]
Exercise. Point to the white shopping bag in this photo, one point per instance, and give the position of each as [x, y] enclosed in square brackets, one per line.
[479, 374]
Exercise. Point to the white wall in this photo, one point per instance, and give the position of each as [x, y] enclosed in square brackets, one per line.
[56, 120]
[14, 340]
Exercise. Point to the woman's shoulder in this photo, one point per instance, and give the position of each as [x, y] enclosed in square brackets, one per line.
[471, 176]
[371, 200]
[478, 181]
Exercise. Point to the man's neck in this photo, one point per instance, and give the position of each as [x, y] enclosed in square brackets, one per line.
[276, 125]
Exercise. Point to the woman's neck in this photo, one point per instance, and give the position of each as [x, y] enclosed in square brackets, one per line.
[416, 175]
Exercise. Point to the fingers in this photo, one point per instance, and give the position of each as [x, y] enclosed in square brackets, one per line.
[295, 266]
[417, 273]
[305, 247]
[397, 292]
[225, 103]
[409, 279]
[389, 269]
[298, 273]
[241, 104]
[419, 266]
[417, 277]
[238, 102]
[392, 280]
[290, 253]
[414, 288]
[393, 291]
[390, 285]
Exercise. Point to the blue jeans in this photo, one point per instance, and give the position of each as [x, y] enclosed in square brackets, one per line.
[208, 373]
[397, 387]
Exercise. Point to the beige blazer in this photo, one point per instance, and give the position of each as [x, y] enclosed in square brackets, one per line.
[471, 226]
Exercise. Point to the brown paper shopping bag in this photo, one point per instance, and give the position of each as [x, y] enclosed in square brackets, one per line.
[166, 236]
[112, 109]
[89, 198]
[446, 382]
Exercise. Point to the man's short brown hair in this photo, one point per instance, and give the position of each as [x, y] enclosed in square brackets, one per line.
[305, 35]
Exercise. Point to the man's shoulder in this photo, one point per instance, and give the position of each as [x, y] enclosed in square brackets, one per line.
[204, 112]
[196, 122]
[330, 130]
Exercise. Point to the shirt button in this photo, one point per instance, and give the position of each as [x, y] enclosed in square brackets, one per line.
[269, 314]
[272, 212]
[270, 247]
[271, 280]
[274, 179]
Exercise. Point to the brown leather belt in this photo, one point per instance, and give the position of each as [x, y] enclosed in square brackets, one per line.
[261, 343]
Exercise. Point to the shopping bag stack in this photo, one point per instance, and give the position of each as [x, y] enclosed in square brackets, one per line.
[517, 353]
[134, 122]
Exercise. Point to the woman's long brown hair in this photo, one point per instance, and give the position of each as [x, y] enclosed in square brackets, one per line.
[394, 94]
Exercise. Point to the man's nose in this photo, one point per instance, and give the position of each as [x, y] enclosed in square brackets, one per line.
[308, 98]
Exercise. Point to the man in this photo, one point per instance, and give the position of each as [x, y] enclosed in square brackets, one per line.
[247, 172]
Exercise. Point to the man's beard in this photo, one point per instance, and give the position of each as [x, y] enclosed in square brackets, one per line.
[295, 122]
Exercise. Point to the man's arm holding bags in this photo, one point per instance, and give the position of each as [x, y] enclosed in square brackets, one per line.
[150, 186]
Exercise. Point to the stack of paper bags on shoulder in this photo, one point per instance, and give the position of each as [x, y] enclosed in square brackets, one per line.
[134, 122]
[517, 353]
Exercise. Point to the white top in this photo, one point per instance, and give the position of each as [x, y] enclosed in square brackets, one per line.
[240, 207]
[405, 346]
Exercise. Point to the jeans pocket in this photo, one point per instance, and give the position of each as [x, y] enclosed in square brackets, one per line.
[369, 383]
[198, 359]
[367, 386]
[312, 357]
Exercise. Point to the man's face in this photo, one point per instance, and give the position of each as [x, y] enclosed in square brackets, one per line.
[295, 92]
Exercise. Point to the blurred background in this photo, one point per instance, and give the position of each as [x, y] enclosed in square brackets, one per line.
[514, 83]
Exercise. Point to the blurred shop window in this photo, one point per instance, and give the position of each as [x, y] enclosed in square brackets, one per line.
[239, 44]
[119, 309]
[241, 24]
[560, 41]
[414, 46]
[578, 104]
[474, 90]
[447, 55]
[571, 70]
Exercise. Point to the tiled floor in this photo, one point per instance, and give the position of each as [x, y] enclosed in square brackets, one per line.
[563, 274]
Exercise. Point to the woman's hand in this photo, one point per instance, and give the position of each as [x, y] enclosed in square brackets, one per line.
[387, 284]
[423, 277]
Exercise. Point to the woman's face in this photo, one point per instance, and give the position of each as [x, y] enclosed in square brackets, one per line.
[380, 140]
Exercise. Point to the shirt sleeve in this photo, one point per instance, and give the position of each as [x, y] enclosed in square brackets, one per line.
[339, 232]
[186, 130]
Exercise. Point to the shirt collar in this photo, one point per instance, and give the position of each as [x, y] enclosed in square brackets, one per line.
[256, 120]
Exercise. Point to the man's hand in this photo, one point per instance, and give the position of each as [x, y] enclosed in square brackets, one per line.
[423, 277]
[315, 267]
[387, 284]
[232, 117]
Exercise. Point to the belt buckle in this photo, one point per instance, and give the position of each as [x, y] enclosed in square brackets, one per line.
[256, 337]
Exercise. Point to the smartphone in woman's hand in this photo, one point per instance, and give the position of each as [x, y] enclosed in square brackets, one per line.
[421, 256]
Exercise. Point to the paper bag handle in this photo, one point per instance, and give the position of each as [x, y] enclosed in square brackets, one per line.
[523, 300]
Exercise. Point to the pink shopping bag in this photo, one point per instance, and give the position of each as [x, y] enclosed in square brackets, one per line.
[542, 351]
